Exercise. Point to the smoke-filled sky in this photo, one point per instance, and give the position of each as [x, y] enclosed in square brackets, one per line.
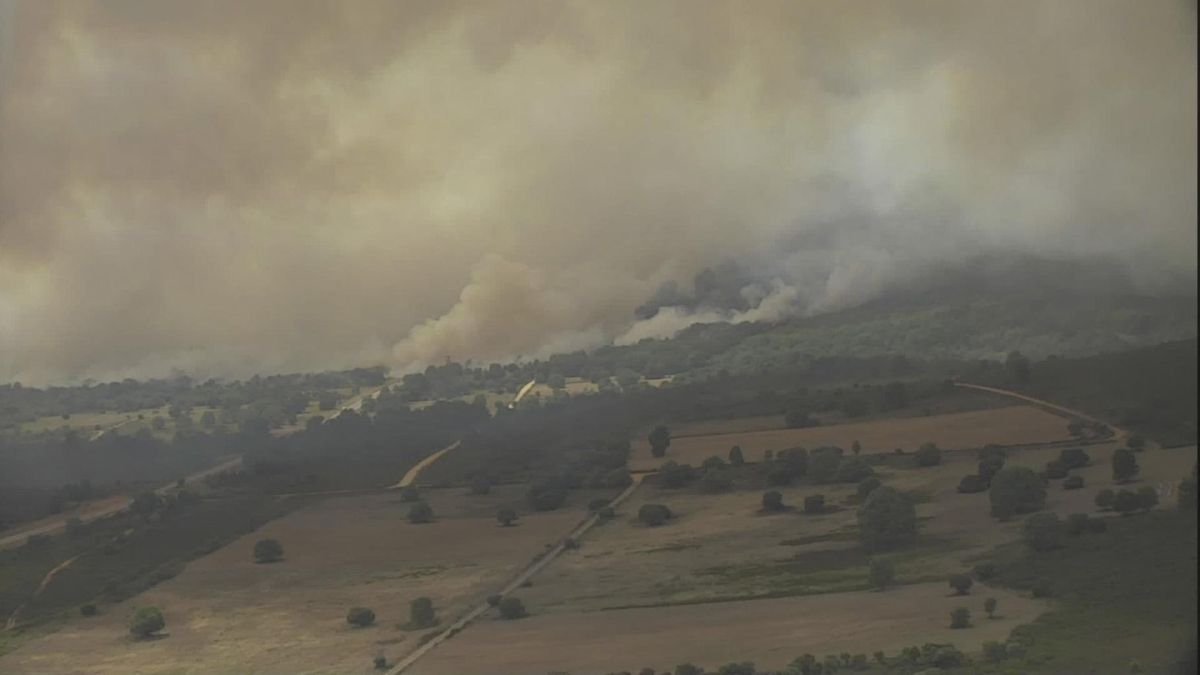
[231, 187]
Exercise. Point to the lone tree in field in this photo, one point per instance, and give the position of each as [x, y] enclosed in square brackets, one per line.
[928, 455]
[421, 614]
[1074, 458]
[772, 501]
[856, 447]
[866, 486]
[146, 621]
[1124, 465]
[736, 458]
[961, 584]
[989, 607]
[1016, 490]
[360, 617]
[814, 504]
[506, 517]
[960, 618]
[887, 520]
[654, 514]
[268, 551]
[512, 608]
[660, 440]
[420, 513]
[882, 573]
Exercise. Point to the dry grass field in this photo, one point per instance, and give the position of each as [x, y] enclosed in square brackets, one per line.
[226, 614]
[769, 632]
[1012, 425]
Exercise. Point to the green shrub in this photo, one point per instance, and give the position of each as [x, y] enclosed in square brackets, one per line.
[887, 519]
[960, 618]
[814, 504]
[928, 455]
[961, 584]
[420, 513]
[882, 573]
[512, 608]
[989, 607]
[867, 485]
[1073, 483]
[1016, 490]
[1077, 523]
[654, 514]
[772, 501]
[506, 517]
[360, 617]
[88, 610]
[972, 483]
[1074, 458]
[146, 621]
[995, 652]
[268, 551]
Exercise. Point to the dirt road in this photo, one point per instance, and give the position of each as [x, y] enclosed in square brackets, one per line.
[525, 575]
[1118, 433]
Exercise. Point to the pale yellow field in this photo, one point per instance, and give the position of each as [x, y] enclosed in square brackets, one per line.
[226, 614]
[769, 632]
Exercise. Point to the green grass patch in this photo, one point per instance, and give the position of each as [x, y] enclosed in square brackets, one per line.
[1125, 595]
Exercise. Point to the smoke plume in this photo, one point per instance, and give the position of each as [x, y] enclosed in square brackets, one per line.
[229, 187]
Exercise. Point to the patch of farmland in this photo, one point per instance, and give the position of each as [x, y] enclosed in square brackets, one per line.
[769, 632]
[226, 614]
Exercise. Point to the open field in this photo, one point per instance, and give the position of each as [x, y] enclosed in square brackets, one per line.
[226, 614]
[769, 632]
[1011, 425]
[719, 547]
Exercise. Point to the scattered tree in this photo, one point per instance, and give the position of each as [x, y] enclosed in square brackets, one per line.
[960, 618]
[799, 419]
[421, 613]
[1136, 442]
[654, 514]
[928, 455]
[961, 584]
[410, 495]
[994, 652]
[1104, 499]
[1056, 469]
[675, 475]
[972, 483]
[735, 456]
[506, 517]
[882, 573]
[715, 481]
[989, 467]
[660, 440]
[512, 608]
[1124, 465]
[420, 513]
[989, 607]
[1073, 483]
[88, 610]
[1016, 490]
[1074, 458]
[494, 599]
[887, 519]
[856, 447]
[1018, 366]
[866, 486]
[360, 617]
[547, 495]
[814, 504]
[772, 501]
[268, 551]
[146, 622]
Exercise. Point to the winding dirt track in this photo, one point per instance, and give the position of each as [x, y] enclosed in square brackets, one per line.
[1118, 433]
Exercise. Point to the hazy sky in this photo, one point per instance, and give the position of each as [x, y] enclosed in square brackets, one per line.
[232, 187]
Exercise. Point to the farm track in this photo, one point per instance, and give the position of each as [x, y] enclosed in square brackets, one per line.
[525, 575]
[12, 619]
[1119, 434]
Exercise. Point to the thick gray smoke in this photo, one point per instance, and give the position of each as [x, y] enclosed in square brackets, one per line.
[231, 187]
